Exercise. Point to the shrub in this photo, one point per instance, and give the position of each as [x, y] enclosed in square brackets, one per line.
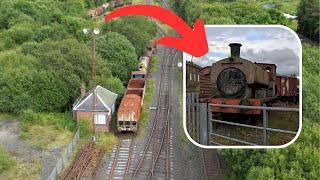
[85, 127]
[106, 141]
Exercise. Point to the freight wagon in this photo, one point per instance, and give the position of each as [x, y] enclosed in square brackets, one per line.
[130, 107]
[287, 88]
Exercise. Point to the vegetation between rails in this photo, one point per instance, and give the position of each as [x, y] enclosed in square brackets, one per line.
[148, 97]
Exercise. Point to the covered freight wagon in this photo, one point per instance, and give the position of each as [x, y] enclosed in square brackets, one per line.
[287, 88]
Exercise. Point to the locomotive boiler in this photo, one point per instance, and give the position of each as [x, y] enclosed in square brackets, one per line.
[241, 82]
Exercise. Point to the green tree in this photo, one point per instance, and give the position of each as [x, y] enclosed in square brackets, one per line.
[309, 19]
[119, 54]
[138, 30]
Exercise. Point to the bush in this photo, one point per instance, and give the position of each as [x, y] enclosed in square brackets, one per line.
[85, 127]
[106, 141]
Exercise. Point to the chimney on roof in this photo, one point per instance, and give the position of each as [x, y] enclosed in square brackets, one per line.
[235, 49]
[82, 90]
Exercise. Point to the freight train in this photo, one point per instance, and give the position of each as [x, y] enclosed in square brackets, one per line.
[130, 107]
[238, 81]
[95, 12]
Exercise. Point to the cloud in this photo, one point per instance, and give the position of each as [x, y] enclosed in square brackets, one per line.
[267, 45]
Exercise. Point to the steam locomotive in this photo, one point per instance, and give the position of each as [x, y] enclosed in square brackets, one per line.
[238, 81]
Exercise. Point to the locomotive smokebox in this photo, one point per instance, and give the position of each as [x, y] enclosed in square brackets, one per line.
[235, 49]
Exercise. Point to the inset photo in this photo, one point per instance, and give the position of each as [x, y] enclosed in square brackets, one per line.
[246, 92]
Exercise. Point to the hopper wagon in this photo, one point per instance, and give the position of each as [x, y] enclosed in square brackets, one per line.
[131, 103]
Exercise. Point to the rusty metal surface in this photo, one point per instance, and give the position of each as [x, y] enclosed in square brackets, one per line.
[226, 101]
[130, 106]
[84, 163]
[231, 82]
[287, 86]
[136, 83]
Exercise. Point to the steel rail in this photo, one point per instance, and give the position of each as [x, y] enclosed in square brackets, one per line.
[127, 170]
[166, 132]
[204, 164]
[153, 126]
[115, 159]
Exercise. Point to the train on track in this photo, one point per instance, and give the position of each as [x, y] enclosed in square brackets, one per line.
[238, 81]
[130, 107]
[98, 11]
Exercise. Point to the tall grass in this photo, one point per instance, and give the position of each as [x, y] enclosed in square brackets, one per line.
[58, 120]
[6, 161]
[46, 130]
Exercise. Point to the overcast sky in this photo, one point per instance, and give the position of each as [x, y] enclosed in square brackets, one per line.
[267, 45]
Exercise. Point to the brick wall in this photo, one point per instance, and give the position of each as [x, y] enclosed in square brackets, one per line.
[80, 115]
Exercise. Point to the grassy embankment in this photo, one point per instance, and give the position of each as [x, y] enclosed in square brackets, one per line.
[148, 97]
[44, 131]
[183, 138]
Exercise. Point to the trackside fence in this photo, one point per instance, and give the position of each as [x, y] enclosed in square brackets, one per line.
[193, 116]
[264, 127]
[201, 123]
[64, 158]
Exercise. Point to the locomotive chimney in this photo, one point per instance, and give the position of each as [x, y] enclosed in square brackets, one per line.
[235, 49]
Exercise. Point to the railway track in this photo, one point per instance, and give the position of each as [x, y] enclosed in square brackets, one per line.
[122, 155]
[211, 164]
[154, 159]
[84, 164]
[156, 152]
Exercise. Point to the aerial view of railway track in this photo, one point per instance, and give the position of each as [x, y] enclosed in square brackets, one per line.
[94, 89]
[150, 157]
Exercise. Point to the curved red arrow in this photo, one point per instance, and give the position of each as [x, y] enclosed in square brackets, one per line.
[192, 41]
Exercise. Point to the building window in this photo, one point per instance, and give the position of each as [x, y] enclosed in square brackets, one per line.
[198, 78]
[100, 119]
[190, 76]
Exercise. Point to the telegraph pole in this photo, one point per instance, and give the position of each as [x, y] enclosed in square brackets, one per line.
[93, 35]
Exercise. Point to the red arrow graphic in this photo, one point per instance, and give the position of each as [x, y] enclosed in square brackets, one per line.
[192, 41]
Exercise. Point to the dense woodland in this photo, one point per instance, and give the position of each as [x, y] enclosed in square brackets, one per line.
[44, 55]
[309, 19]
[301, 159]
